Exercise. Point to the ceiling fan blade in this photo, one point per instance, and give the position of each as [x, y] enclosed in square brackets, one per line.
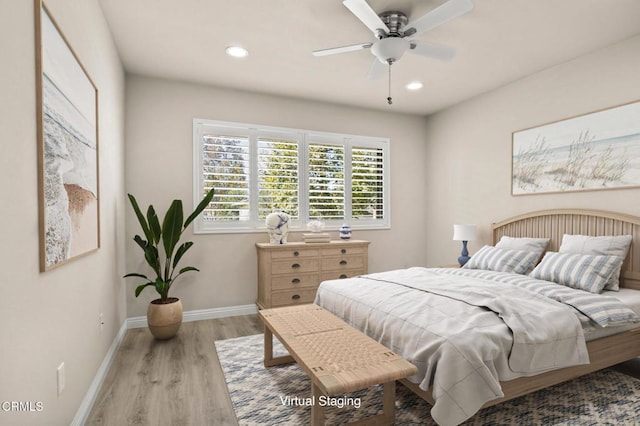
[368, 16]
[342, 49]
[438, 16]
[433, 50]
[377, 69]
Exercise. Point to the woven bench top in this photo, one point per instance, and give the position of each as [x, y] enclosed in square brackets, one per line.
[337, 357]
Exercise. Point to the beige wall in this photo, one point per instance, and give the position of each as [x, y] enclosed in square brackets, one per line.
[53, 317]
[469, 145]
[159, 168]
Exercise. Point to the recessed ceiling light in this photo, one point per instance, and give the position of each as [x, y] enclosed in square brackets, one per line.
[414, 85]
[237, 51]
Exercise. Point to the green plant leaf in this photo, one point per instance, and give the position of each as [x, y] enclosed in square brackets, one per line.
[185, 269]
[152, 257]
[133, 274]
[142, 243]
[160, 287]
[141, 219]
[154, 224]
[203, 204]
[172, 227]
[181, 251]
[142, 287]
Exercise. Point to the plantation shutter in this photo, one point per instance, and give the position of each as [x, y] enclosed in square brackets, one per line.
[367, 183]
[256, 170]
[326, 167]
[226, 169]
[278, 177]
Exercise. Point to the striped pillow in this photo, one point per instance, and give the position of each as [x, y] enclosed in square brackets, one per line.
[604, 245]
[490, 258]
[539, 245]
[583, 272]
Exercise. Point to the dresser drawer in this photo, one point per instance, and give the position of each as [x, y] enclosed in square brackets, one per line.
[342, 262]
[340, 251]
[294, 281]
[293, 297]
[295, 265]
[294, 253]
[337, 275]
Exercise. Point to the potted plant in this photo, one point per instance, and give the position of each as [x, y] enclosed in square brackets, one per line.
[164, 315]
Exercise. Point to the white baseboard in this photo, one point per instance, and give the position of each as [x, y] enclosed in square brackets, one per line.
[138, 322]
[90, 397]
[201, 314]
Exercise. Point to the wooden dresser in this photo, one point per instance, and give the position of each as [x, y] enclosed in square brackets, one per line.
[289, 274]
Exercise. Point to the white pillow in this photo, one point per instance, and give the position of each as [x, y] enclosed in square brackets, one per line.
[491, 258]
[606, 246]
[580, 271]
[538, 245]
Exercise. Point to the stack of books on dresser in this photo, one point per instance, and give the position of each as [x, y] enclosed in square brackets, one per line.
[316, 237]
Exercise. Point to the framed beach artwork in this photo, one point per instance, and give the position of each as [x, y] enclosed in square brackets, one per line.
[599, 150]
[67, 114]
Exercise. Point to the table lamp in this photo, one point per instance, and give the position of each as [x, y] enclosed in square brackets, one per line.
[464, 233]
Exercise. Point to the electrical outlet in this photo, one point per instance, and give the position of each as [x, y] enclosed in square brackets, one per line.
[61, 378]
[101, 322]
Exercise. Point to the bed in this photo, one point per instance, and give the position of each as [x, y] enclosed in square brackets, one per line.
[421, 313]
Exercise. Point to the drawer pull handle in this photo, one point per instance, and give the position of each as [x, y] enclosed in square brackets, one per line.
[343, 251]
[343, 262]
[295, 253]
[343, 276]
[295, 297]
[295, 281]
[295, 265]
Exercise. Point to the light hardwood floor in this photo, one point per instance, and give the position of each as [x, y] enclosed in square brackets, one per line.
[174, 382]
[179, 381]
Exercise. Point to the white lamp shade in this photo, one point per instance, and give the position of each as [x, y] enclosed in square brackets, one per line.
[464, 232]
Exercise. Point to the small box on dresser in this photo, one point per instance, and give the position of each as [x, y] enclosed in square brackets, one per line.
[289, 274]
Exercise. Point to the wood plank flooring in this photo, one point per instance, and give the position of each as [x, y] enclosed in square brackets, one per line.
[179, 381]
[174, 382]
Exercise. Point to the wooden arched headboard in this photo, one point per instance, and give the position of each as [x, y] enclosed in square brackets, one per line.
[554, 224]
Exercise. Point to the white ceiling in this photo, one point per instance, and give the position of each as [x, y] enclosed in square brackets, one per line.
[498, 42]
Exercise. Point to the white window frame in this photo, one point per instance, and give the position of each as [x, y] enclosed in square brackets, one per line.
[204, 126]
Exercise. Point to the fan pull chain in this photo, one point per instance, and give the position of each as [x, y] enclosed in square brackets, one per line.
[389, 100]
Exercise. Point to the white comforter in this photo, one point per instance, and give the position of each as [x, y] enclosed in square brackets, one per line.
[464, 334]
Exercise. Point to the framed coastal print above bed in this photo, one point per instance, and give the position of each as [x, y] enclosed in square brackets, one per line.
[599, 150]
[67, 115]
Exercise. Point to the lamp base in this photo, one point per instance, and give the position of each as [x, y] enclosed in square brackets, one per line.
[464, 256]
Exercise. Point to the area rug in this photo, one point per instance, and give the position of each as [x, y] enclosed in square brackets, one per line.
[277, 396]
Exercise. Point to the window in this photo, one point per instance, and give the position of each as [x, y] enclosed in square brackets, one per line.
[256, 170]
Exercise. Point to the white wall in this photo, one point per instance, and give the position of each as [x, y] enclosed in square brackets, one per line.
[469, 145]
[53, 317]
[159, 169]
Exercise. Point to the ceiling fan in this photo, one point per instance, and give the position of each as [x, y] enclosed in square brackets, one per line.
[393, 30]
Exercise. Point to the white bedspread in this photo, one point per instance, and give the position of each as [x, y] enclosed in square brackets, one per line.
[464, 334]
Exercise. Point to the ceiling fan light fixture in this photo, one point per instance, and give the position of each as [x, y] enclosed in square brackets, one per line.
[237, 51]
[390, 49]
[414, 85]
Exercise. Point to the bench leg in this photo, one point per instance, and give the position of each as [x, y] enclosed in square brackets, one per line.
[269, 359]
[317, 410]
[389, 401]
[388, 416]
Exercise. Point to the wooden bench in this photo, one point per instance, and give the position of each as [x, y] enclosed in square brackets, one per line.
[338, 358]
